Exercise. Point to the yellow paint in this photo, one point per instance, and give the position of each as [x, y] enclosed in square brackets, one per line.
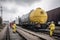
[38, 17]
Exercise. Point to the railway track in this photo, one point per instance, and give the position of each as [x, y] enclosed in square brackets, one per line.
[3, 33]
[23, 34]
[7, 36]
[56, 34]
[15, 36]
[29, 35]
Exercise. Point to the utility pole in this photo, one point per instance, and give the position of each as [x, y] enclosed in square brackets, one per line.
[1, 10]
[1, 15]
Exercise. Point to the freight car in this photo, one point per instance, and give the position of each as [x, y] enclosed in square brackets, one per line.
[35, 19]
[54, 15]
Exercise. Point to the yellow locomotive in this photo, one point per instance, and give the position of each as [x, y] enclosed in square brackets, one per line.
[35, 19]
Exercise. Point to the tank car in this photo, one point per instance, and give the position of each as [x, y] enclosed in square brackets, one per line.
[35, 19]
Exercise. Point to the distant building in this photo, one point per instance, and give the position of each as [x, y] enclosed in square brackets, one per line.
[54, 15]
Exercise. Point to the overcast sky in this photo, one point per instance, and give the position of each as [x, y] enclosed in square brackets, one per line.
[15, 8]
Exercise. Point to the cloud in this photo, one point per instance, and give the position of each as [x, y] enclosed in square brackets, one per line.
[8, 16]
[46, 4]
[11, 11]
[21, 2]
[21, 7]
[9, 8]
[26, 2]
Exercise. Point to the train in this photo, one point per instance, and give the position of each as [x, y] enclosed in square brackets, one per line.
[35, 19]
[40, 19]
